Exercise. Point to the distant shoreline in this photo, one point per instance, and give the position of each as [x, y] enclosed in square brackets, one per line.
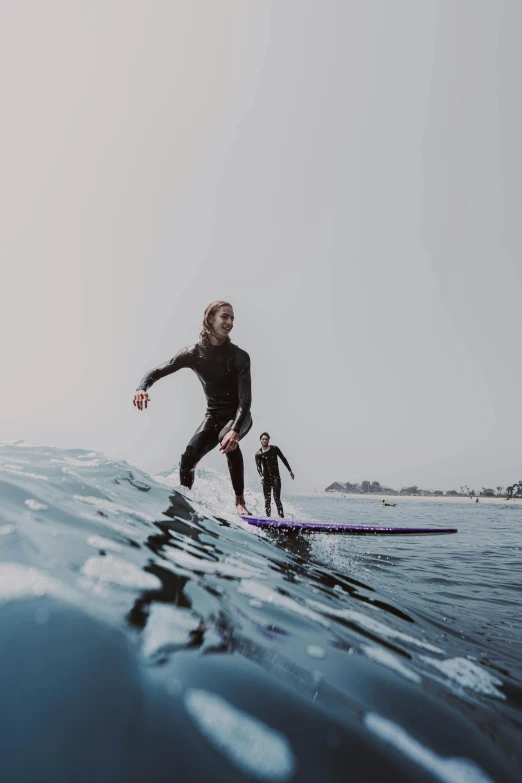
[408, 498]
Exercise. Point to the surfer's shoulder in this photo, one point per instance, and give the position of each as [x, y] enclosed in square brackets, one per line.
[241, 356]
[187, 354]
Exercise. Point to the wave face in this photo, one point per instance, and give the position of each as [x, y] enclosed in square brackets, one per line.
[148, 635]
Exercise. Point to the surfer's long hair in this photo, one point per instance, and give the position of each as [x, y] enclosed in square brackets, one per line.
[209, 314]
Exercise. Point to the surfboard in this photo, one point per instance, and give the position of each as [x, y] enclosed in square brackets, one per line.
[307, 526]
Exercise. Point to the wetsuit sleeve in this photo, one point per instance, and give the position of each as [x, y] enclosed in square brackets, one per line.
[259, 464]
[244, 389]
[283, 459]
[182, 359]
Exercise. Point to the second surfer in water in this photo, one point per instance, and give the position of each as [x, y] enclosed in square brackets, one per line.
[224, 372]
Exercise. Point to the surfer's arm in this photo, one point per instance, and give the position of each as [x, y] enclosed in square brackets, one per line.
[182, 359]
[244, 389]
[283, 459]
[259, 464]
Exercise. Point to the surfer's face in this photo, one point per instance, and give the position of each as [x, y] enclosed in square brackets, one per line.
[264, 441]
[223, 322]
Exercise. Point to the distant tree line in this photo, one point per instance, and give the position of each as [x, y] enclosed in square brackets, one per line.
[364, 488]
[514, 491]
[376, 488]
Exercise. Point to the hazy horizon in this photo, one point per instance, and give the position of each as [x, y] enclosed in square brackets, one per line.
[346, 173]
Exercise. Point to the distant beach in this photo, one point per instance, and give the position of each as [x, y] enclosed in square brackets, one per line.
[408, 498]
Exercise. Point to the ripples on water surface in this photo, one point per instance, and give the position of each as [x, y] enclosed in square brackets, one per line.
[150, 635]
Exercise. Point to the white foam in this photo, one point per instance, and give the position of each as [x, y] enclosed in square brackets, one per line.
[249, 744]
[369, 624]
[447, 770]
[129, 532]
[192, 547]
[254, 559]
[315, 652]
[99, 542]
[18, 581]
[19, 471]
[34, 505]
[5, 530]
[226, 567]
[113, 570]
[467, 674]
[70, 472]
[386, 658]
[112, 508]
[78, 463]
[263, 593]
[211, 490]
[167, 625]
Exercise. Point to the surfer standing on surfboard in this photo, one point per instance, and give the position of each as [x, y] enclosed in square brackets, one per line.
[224, 372]
[268, 469]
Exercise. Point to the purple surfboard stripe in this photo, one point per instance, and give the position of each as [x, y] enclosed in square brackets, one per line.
[339, 527]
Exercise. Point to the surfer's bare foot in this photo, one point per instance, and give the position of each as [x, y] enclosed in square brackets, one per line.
[241, 508]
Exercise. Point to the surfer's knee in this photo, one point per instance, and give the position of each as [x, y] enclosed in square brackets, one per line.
[187, 464]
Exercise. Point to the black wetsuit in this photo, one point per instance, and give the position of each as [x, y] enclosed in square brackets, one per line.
[224, 372]
[268, 467]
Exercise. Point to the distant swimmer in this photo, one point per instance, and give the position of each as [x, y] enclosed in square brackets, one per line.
[224, 372]
[389, 505]
[268, 469]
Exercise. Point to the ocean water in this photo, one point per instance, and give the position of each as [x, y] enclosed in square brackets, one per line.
[149, 633]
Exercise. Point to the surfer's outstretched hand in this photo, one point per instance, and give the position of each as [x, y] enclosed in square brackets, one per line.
[292, 476]
[140, 399]
[229, 442]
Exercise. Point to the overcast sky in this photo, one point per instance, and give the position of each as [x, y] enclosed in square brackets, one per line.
[347, 173]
